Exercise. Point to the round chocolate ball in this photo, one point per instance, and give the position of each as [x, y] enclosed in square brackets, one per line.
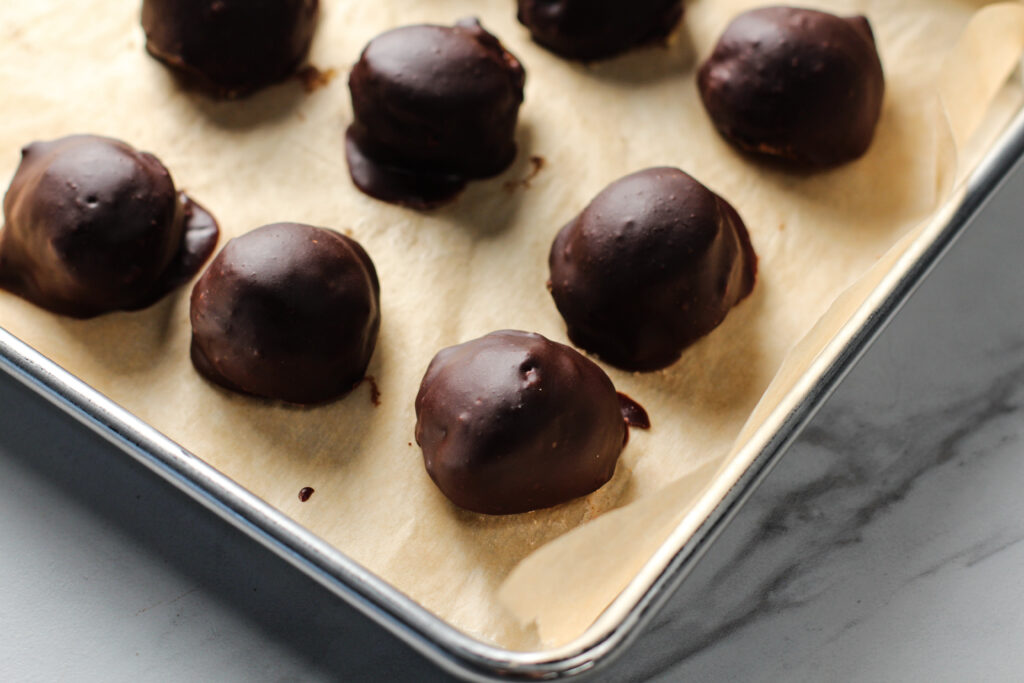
[650, 266]
[434, 106]
[795, 84]
[230, 47]
[596, 29]
[92, 225]
[513, 422]
[287, 312]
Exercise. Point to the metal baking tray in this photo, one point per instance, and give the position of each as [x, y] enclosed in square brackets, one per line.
[434, 638]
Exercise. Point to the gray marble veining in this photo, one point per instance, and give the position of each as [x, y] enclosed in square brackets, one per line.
[913, 469]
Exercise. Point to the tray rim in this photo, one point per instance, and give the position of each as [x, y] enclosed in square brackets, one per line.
[429, 635]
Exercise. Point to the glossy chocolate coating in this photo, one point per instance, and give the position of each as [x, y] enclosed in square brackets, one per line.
[288, 312]
[230, 47]
[653, 263]
[596, 29]
[92, 225]
[795, 84]
[513, 422]
[434, 106]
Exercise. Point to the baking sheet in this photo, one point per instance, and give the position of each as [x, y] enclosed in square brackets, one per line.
[278, 156]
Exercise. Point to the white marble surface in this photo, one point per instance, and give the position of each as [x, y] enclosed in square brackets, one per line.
[885, 547]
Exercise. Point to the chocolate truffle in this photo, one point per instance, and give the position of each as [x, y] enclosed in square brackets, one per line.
[795, 84]
[652, 264]
[434, 107]
[92, 225]
[230, 47]
[513, 422]
[288, 312]
[596, 29]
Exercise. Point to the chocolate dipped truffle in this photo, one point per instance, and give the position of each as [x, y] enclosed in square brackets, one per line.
[651, 265]
[92, 225]
[513, 422]
[230, 47]
[287, 312]
[434, 106]
[596, 29]
[795, 84]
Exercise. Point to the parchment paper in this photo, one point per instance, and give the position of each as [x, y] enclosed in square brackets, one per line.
[69, 66]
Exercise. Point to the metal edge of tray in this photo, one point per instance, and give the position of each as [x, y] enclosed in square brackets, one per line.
[432, 637]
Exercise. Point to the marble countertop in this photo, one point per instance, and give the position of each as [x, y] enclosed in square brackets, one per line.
[886, 546]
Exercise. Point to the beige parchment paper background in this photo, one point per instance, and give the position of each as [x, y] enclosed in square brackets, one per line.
[70, 66]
